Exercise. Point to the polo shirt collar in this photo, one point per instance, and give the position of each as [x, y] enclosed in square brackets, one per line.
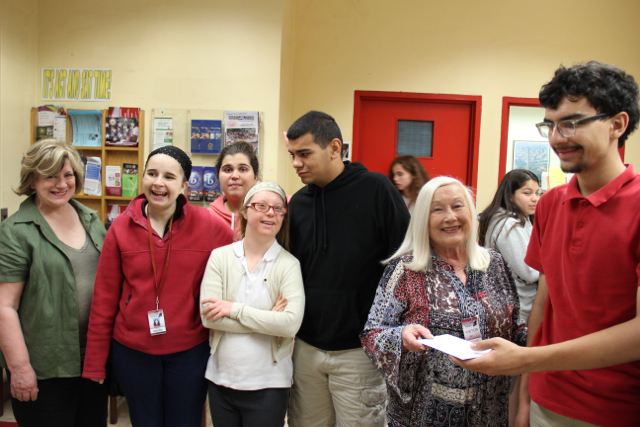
[270, 255]
[605, 193]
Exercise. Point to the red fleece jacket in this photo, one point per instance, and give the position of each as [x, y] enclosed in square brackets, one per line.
[125, 290]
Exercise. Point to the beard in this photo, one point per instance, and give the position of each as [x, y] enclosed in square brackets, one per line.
[575, 168]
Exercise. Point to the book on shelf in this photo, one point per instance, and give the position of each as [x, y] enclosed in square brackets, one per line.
[87, 128]
[211, 184]
[60, 128]
[44, 132]
[121, 127]
[113, 210]
[195, 188]
[52, 123]
[113, 181]
[93, 177]
[48, 113]
[129, 180]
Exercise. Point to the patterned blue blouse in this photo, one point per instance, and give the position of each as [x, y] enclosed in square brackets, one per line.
[426, 388]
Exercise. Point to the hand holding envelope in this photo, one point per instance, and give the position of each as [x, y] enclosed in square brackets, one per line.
[454, 346]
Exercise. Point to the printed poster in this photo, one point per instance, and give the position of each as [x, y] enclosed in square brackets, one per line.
[121, 127]
[162, 132]
[241, 126]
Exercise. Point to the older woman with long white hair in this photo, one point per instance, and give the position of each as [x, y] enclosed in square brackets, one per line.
[441, 281]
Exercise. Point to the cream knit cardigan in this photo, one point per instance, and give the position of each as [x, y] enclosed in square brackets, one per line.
[222, 279]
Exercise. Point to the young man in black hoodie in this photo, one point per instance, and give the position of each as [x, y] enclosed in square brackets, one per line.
[343, 223]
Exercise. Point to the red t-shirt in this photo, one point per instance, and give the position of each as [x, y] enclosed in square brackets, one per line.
[589, 251]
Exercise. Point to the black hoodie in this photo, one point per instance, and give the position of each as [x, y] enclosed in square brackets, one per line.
[340, 233]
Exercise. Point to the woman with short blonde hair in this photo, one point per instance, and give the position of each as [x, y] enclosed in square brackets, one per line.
[46, 158]
[49, 252]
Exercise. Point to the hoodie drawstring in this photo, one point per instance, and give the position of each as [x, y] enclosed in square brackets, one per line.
[324, 222]
[324, 226]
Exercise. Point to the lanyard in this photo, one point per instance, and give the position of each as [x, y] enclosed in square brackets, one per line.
[469, 297]
[153, 258]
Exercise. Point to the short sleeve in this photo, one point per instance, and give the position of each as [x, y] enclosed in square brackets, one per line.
[532, 258]
[15, 257]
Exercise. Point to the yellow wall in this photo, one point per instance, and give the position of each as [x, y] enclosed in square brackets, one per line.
[196, 54]
[18, 70]
[285, 57]
[490, 48]
[286, 86]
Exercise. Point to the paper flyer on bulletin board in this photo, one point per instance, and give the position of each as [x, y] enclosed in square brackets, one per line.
[241, 126]
[162, 132]
[78, 84]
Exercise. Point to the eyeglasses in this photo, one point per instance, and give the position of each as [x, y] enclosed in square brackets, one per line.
[264, 208]
[567, 128]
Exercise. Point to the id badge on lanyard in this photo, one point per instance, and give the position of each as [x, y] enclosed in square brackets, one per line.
[471, 329]
[157, 321]
[471, 325]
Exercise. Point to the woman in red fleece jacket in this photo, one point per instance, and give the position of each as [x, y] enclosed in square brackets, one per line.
[145, 310]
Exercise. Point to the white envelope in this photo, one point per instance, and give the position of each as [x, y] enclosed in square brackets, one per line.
[456, 347]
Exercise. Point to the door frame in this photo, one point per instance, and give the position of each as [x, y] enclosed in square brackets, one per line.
[475, 102]
[507, 102]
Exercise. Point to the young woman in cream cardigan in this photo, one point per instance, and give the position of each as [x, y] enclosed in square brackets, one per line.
[253, 300]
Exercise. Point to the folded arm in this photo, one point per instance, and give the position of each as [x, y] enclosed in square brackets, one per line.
[241, 318]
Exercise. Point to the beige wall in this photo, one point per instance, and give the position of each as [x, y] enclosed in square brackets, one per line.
[18, 70]
[285, 57]
[286, 86]
[490, 48]
[196, 54]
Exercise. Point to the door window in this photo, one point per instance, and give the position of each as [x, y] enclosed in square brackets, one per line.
[415, 138]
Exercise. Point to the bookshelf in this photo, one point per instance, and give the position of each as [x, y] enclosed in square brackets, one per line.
[110, 156]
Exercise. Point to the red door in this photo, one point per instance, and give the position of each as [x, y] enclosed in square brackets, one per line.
[453, 119]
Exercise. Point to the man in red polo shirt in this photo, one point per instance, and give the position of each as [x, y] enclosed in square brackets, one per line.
[584, 328]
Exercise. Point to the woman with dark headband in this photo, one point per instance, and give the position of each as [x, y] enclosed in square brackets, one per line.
[145, 311]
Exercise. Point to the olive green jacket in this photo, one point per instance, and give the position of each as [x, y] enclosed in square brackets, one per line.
[30, 252]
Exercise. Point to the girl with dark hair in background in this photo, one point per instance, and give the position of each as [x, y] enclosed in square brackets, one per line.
[237, 169]
[505, 226]
[408, 175]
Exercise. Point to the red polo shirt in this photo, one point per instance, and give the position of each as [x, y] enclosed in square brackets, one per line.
[589, 251]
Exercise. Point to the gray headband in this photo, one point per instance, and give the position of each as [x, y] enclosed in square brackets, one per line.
[264, 186]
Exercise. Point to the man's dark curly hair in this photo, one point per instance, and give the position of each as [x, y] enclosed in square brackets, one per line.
[607, 88]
